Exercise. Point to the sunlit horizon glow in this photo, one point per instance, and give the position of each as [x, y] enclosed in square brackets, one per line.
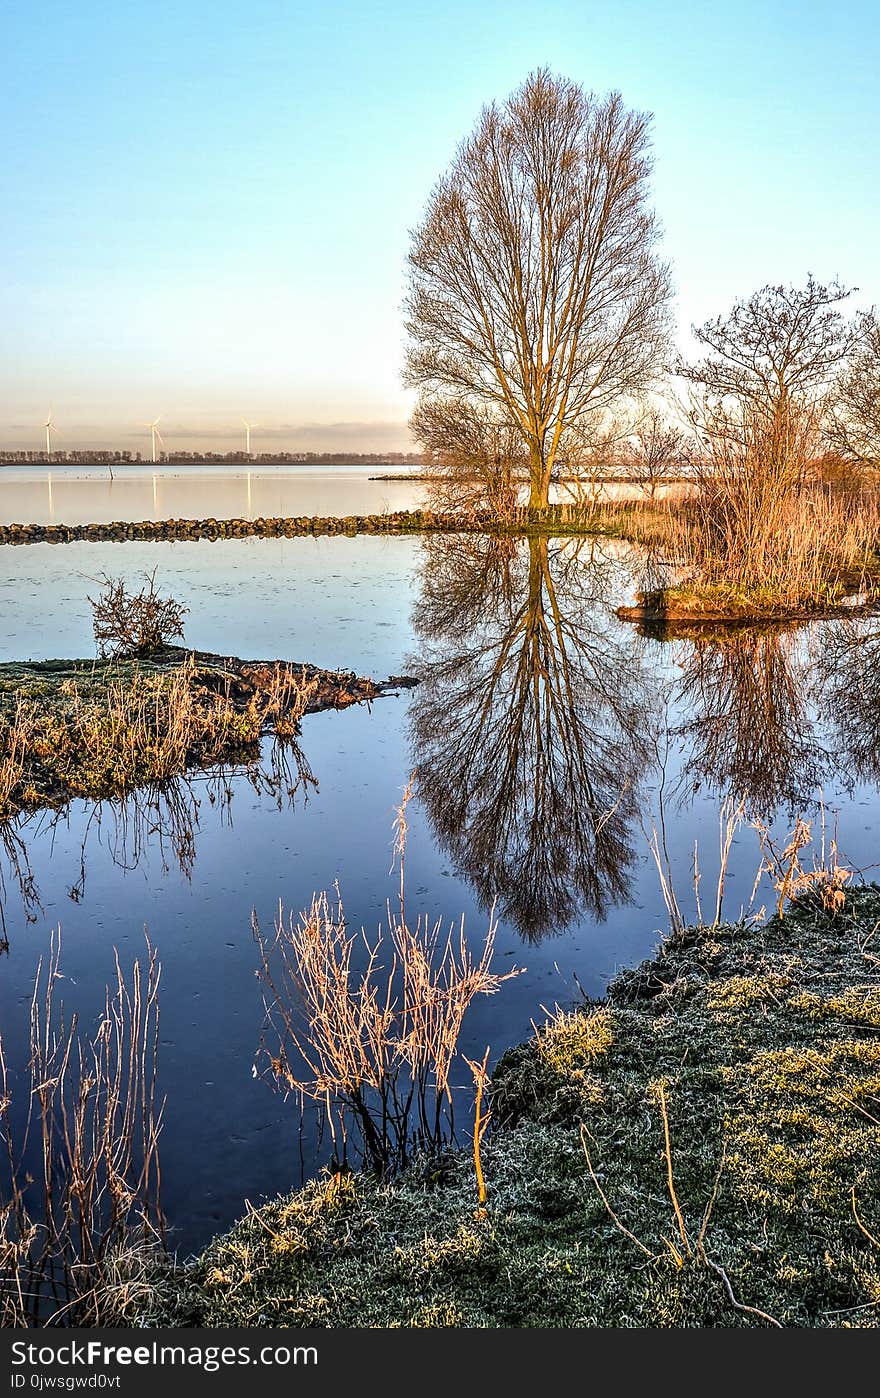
[206, 209]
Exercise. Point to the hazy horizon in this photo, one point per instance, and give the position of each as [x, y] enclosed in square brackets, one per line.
[359, 437]
[207, 209]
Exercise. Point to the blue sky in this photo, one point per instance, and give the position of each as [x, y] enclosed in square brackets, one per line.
[206, 203]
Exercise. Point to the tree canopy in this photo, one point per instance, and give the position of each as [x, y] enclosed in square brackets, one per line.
[534, 285]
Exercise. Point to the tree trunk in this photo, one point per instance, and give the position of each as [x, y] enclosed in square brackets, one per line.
[539, 479]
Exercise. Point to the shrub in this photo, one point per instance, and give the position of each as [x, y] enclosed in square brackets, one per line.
[137, 623]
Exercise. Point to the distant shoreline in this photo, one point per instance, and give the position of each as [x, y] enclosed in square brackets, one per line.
[594, 480]
[240, 458]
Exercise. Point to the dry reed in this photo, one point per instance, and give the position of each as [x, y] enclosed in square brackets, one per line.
[374, 1043]
[761, 520]
[81, 1176]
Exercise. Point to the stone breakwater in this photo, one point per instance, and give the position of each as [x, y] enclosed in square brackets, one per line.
[400, 522]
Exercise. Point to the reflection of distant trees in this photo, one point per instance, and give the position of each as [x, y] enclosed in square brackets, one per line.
[529, 725]
[750, 732]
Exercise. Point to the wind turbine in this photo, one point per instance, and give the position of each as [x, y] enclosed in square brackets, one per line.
[50, 428]
[248, 428]
[155, 436]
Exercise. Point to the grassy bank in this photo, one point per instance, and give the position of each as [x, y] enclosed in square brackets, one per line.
[700, 1149]
[692, 605]
[816, 553]
[100, 728]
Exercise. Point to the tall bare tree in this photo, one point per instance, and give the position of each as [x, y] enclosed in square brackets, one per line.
[534, 287]
[854, 422]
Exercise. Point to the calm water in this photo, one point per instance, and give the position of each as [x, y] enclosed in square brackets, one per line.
[87, 495]
[544, 732]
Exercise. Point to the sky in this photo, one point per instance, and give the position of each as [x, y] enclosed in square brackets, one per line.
[206, 204]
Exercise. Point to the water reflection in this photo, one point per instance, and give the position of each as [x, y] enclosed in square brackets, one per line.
[530, 726]
[542, 729]
[79, 494]
[848, 685]
[749, 733]
[161, 821]
[16, 877]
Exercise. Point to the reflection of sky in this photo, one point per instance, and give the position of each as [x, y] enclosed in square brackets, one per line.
[206, 206]
[87, 495]
[339, 602]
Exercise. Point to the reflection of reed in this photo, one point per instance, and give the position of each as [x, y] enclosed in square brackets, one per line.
[529, 725]
[749, 734]
[160, 819]
[15, 868]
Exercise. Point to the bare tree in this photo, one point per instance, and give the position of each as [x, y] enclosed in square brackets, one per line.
[853, 427]
[758, 399]
[654, 452]
[474, 457]
[781, 346]
[534, 285]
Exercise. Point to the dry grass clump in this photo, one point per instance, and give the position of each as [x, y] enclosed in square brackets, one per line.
[826, 877]
[138, 726]
[370, 1027]
[80, 1177]
[815, 547]
[16, 734]
[284, 700]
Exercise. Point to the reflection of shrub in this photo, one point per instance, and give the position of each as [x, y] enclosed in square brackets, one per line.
[134, 623]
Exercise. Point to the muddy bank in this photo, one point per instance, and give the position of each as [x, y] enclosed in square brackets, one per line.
[101, 728]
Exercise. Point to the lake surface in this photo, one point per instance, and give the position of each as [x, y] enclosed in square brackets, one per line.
[544, 732]
[69, 494]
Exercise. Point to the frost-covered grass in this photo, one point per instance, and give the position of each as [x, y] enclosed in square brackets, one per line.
[756, 1047]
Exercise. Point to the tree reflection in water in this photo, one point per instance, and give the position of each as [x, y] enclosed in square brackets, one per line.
[848, 682]
[748, 731]
[540, 722]
[531, 724]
